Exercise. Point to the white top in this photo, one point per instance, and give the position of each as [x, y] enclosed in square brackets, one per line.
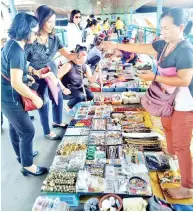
[74, 36]
[89, 37]
[94, 52]
[183, 100]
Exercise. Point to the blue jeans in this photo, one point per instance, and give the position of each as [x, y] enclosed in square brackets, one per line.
[21, 131]
[56, 111]
[94, 60]
[77, 96]
[119, 35]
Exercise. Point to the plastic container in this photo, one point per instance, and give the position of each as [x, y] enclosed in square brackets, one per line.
[120, 89]
[143, 89]
[95, 89]
[134, 89]
[72, 199]
[108, 89]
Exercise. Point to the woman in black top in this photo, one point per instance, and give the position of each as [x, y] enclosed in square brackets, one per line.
[13, 85]
[40, 54]
[72, 75]
[176, 70]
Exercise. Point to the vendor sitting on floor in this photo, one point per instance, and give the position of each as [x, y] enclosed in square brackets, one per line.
[95, 54]
[72, 74]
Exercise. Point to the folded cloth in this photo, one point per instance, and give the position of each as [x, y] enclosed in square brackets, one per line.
[134, 204]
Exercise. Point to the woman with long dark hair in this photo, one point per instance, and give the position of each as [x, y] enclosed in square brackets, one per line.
[74, 34]
[88, 34]
[176, 70]
[13, 85]
[40, 54]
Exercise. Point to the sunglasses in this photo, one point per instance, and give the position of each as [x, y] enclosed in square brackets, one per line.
[77, 17]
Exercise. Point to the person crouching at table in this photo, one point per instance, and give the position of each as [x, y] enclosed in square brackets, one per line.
[72, 75]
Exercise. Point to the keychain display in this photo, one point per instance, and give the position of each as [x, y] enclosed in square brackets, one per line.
[91, 112]
[133, 155]
[113, 138]
[124, 109]
[69, 148]
[99, 124]
[96, 169]
[97, 138]
[74, 140]
[80, 123]
[64, 182]
[77, 131]
[73, 162]
[103, 112]
[114, 125]
[96, 155]
[114, 154]
[82, 113]
[45, 203]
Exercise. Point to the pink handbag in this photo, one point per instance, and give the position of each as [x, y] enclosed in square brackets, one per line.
[156, 100]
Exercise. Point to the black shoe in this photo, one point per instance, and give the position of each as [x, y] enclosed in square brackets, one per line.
[39, 171]
[34, 155]
[57, 126]
[32, 117]
[57, 137]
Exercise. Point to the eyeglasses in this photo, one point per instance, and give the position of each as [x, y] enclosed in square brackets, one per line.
[78, 17]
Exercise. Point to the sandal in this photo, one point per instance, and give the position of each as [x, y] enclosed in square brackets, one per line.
[61, 126]
[56, 137]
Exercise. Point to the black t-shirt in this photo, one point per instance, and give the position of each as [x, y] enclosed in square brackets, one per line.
[181, 57]
[12, 57]
[39, 55]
